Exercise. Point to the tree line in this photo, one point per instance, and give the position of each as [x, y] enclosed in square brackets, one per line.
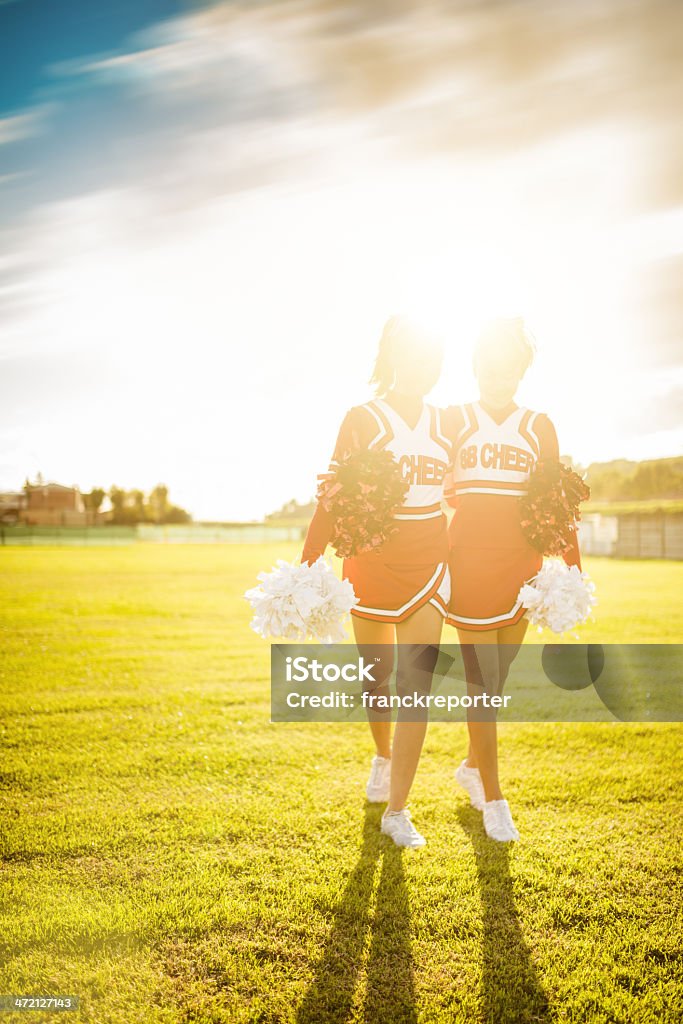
[622, 480]
[133, 506]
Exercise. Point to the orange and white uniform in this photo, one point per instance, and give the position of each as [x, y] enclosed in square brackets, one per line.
[490, 558]
[411, 568]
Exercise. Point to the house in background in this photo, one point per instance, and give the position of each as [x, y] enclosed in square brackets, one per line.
[50, 504]
[12, 505]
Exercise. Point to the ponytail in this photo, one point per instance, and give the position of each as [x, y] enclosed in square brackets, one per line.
[384, 373]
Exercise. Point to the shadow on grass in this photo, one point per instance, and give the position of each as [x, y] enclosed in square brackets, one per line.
[389, 991]
[511, 989]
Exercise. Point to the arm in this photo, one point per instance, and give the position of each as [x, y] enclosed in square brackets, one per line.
[550, 449]
[453, 421]
[318, 535]
[321, 526]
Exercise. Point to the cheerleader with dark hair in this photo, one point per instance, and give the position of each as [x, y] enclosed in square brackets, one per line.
[403, 586]
[496, 444]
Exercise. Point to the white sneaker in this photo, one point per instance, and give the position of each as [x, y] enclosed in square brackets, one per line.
[498, 821]
[398, 825]
[470, 779]
[377, 788]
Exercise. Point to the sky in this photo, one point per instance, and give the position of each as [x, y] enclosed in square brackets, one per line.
[208, 211]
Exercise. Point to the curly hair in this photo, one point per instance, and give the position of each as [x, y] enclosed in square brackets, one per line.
[503, 335]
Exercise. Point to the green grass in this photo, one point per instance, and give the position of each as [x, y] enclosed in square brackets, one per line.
[644, 506]
[171, 856]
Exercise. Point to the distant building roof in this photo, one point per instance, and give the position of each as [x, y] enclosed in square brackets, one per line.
[54, 487]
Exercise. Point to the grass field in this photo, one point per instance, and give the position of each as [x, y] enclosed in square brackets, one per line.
[170, 856]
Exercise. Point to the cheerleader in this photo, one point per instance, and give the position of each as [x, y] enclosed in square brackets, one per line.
[404, 586]
[496, 443]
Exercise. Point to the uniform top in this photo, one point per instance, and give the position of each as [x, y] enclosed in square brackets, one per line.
[423, 453]
[492, 457]
[491, 465]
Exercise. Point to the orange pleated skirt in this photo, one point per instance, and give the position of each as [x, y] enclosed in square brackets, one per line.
[408, 571]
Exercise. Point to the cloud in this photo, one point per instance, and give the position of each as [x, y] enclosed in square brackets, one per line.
[269, 176]
[655, 305]
[659, 411]
[235, 61]
[25, 125]
[249, 94]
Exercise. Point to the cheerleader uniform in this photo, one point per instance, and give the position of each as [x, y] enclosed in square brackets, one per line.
[490, 558]
[411, 568]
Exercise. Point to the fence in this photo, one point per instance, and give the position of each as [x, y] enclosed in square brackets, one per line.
[237, 533]
[632, 535]
[650, 536]
[233, 533]
[67, 535]
[636, 535]
[598, 534]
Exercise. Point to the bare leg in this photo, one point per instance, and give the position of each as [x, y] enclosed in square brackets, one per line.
[423, 627]
[509, 640]
[493, 666]
[375, 640]
[483, 749]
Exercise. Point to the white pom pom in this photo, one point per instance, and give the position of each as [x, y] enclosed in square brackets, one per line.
[298, 601]
[559, 597]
